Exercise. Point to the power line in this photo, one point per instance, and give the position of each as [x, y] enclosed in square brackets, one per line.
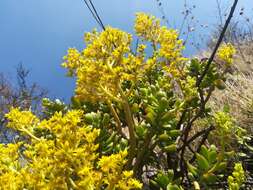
[89, 4]
[97, 14]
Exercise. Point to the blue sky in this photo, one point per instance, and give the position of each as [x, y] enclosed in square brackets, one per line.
[39, 32]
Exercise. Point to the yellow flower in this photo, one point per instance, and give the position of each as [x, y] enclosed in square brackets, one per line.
[236, 180]
[103, 65]
[107, 62]
[19, 120]
[72, 60]
[226, 52]
[112, 163]
[147, 27]
[66, 160]
[164, 41]
[127, 182]
[224, 121]
[22, 121]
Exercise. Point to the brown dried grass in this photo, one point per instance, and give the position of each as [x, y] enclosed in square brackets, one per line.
[238, 95]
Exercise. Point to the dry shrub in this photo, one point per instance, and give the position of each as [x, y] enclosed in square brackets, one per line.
[244, 58]
[238, 95]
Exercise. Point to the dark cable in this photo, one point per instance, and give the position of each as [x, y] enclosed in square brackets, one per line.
[210, 60]
[94, 13]
[97, 14]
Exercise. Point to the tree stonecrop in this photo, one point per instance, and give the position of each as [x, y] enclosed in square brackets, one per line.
[226, 53]
[60, 153]
[134, 122]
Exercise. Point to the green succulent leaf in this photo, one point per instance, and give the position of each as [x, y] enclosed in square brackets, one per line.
[192, 169]
[163, 180]
[170, 148]
[209, 178]
[202, 162]
[204, 151]
[173, 187]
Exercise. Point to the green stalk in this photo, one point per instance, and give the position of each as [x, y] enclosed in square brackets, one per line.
[130, 125]
[29, 133]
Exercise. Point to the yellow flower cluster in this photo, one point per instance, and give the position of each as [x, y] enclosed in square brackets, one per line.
[23, 122]
[147, 27]
[226, 52]
[189, 88]
[72, 60]
[9, 164]
[224, 121]
[170, 47]
[113, 170]
[62, 156]
[236, 180]
[107, 61]
[103, 64]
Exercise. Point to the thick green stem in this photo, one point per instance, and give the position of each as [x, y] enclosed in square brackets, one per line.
[109, 95]
[129, 118]
[130, 125]
[132, 136]
[140, 155]
[116, 117]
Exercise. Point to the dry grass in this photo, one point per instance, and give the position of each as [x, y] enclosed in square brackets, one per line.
[244, 58]
[238, 95]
